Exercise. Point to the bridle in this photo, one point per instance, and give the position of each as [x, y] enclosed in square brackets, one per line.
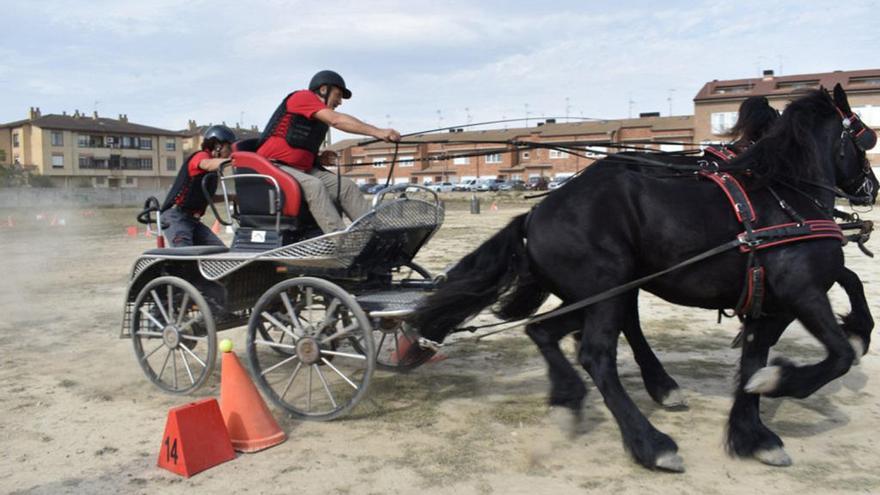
[864, 138]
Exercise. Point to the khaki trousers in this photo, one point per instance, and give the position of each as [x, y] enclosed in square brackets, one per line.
[319, 188]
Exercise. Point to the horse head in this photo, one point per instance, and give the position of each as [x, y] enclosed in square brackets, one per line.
[855, 177]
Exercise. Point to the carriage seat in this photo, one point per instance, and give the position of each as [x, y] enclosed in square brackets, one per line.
[254, 196]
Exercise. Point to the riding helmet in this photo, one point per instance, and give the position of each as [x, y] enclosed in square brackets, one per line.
[330, 78]
[220, 133]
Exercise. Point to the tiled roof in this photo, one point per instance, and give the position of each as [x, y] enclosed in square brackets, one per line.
[736, 89]
[90, 124]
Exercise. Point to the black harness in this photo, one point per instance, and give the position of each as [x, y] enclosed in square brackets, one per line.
[191, 189]
[302, 132]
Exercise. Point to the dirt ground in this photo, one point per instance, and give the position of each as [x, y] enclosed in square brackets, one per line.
[79, 416]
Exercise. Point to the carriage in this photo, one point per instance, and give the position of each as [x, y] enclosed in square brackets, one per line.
[322, 311]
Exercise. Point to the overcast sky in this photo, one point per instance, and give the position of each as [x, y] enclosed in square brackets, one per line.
[411, 63]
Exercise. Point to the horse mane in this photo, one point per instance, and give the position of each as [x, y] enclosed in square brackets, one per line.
[789, 148]
[755, 118]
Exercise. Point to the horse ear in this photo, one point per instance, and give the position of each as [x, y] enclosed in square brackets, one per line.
[840, 99]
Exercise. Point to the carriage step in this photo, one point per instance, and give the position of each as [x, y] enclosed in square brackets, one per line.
[392, 303]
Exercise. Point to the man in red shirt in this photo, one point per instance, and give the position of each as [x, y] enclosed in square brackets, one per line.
[186, 201]
[294, 136]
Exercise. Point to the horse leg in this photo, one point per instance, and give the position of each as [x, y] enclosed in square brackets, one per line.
[598, 355]
[783, 378]
[660, 386]
[747, 436]
[567, 389]
[859, 322]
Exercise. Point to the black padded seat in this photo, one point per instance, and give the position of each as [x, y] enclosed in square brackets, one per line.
[188, 251]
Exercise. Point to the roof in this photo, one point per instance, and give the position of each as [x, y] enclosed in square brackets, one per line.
[90, 124]
[781, 86]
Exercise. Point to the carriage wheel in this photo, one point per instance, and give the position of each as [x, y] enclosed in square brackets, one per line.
[393, 337]
[321, 375]
[174, 336]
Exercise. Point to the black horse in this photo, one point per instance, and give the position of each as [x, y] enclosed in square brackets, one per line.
[614, 224]
[755, 118]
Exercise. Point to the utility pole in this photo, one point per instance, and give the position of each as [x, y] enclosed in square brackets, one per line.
[631, 103]
[527, 114]
[439, 118]
[467, 112]
[669, 99]
[567, 108]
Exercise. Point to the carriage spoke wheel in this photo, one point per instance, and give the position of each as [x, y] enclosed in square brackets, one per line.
[393, 337]
[174, 336]
[314, 372]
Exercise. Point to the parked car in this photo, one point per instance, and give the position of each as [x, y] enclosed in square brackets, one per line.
[538, 183]
[365, 187]
[512, 185]
[374, 188]
[442, 187]
[468, 185]
[556, 183]
[489, 184]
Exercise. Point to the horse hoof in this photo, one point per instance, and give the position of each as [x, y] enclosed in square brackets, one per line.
[567, 420]
[859, 348]
[774, 457]
[674, 400]
[764, 381]
[670, 461]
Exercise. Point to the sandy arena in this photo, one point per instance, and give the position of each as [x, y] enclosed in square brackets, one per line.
[79, 416]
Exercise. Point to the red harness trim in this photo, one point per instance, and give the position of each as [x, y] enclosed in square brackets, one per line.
[731, 188]
[815, 229]
[723, 153]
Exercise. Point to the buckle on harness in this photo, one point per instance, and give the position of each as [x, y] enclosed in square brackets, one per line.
[745, 241]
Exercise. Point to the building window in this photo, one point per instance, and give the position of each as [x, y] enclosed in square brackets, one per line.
[406, 161]
[379, 163]
[170, 145]
[100, 181]
[57, 161]
[722, 122]
[15, 143]
[671, 148]
[596, 151]
[557, 154]
[493, 158]
[57, 138]
[460, 160]
[2, 156]
[171, 164]
[130, 182]
[82, 141]
[869, 114]
[145, 143]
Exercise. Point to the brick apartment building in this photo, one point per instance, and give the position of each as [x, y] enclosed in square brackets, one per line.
[82, 150]
[425, 160]
[717, 102]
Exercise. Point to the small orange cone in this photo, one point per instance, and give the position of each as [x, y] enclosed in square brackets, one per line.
[195, 439]
[494, 206]
[250, 424]
[216, 227]
[131, 231]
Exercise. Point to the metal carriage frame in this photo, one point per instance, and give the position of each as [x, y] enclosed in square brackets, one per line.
[321, 314]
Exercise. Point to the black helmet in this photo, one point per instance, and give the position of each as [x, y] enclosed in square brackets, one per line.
[220, 133]
[330, 78]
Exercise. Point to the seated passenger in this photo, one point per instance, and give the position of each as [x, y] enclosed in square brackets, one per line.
[294, 136]
[186, 202]
[754, 119]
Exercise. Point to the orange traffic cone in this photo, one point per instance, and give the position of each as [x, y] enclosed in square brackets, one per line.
[250, 424]
[216, 227]
[494, 206]
[131, 231]
[195, 439]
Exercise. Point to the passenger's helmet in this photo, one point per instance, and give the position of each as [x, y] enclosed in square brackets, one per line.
[330, 78]
[221, 133]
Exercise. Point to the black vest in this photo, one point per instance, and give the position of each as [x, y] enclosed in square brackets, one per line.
[191, 189]
[302, 132]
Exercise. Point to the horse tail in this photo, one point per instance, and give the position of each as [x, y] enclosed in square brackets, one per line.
[477, 281]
